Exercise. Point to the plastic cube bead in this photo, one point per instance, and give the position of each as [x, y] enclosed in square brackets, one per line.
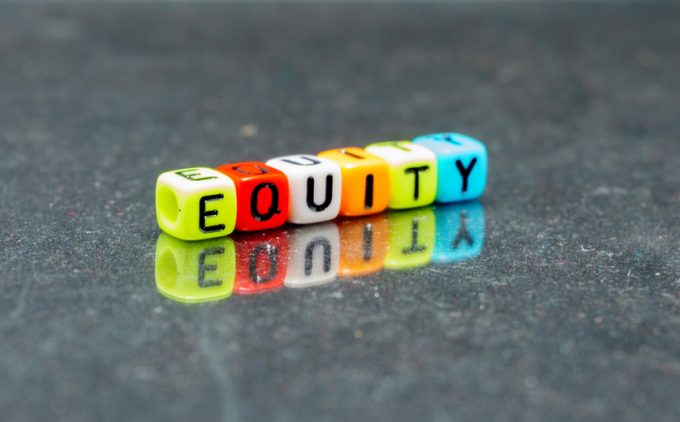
[316, 255]
[195, 203]
[315, 187]
[461, 165]
[262, 195]
[261, 261]
[365, 181]
[411, 238]
[363, 245]
[193, 272]
[413, 173]
[460, 232]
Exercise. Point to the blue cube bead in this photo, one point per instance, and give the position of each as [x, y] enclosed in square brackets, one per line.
[461, 165]
[460, 232]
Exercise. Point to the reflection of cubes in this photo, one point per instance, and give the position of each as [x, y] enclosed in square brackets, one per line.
[193, 272]
[262, 261]
[411, 238]
[460, 232]
[314, 255]
[363, 245]
[315, 187]
[413, 173]
[196, 203]
[461, 165]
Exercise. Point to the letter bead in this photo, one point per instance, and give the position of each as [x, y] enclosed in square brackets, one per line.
[413, 173]
[365, 181]
[461, 165]
[315, 187]
[262, 195]
[195, 203]
[194, 272]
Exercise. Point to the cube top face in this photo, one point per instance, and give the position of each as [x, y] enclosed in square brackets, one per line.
[262, 195]
[194, 272]
[195, 203]
[351, 157]
[249, 170]
[398, 153]
[315, 187]
[365, 180]
[301, 164]
[450, 143]
[462, 165]
[193, 180]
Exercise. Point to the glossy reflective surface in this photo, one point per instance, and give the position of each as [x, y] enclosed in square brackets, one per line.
[567, 309]
[314, 255]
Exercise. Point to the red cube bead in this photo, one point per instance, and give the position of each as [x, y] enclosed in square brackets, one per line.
[261, 261]
[262, 195]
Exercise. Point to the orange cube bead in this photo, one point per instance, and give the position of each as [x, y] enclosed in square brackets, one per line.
[365, 180]
[363, 245]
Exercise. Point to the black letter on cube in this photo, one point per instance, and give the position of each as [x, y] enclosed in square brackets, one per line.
[310, 194]
[416, 171]
[465, 172]
[202, 214]
[273, 207]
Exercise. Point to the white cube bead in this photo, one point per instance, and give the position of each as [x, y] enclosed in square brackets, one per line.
[315, 186]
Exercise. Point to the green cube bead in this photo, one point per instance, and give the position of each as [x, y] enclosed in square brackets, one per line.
[195, 203]
[413, 173]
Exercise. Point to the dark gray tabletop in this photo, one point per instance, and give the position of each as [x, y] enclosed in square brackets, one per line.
[568, 310]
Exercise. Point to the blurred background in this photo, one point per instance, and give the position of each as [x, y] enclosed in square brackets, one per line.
[570, 310]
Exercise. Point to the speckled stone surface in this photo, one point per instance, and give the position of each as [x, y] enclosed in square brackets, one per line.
[571, 311]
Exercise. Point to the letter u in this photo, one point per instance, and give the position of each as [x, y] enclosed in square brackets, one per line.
[311, 203]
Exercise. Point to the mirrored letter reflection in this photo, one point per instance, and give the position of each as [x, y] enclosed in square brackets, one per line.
[315, 255]
[363, 245]
[261, 261]
[460, 232]
[411, 238]
[312, 255]
[194, 272]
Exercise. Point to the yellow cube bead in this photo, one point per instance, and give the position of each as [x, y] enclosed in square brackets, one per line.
[411, 238]
[413, 172]
[194, 272]
[195, 203]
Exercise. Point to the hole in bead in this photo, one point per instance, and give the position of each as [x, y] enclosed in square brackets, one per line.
[167, 202]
